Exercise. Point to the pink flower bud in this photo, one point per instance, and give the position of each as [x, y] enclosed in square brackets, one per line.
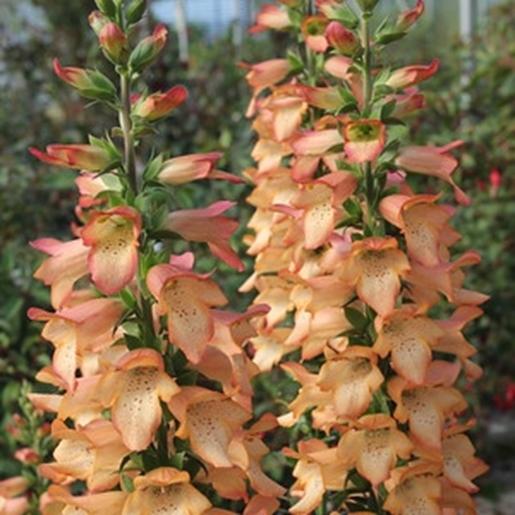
[407, 18]
[76, 77]
[27, 455]
[148, 49]
[344, 40]
[113, 41]
[157, 105]
[89, 83]
[97, 21]
[78, 156]
[410, 75]
[270, 17]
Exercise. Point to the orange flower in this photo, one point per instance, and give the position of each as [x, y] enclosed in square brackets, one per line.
[433, 161]
[364, 140]
[459, 463]
[318, 469]
[374, 447]
[11, 501]
[270, 16]
[409, 337]
[313, 30]
[74, 330]
[92, 453]
[247, 450]
[133, 392]
[417, 491]
[424, 224]
[375, 266]
[209, 419]
[426, 409]
[309, 395]
[165, 490]
[65, 266]
[186, 298]
[320, 201]
[113, 238]
[351, 377]
[208, 225]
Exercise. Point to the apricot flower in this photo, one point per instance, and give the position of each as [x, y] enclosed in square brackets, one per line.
[351, 377]
[433, 161]
[317, 470]
[11, 500]
[364, 140]
[165, 490]
[208, 225]
[270, 17]
[65, 266]
[426, 408]
[416, 492]
[92, 453]
[375, 266]
[409, 337]
[209, 420]
[113, 240]
[423, 223]
[92, 504]
[374, 447]
[77, 329]
[186, 298]
[133, 392]
[320, 201]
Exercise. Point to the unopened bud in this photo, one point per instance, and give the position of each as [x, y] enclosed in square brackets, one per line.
[344, 40]
[148, 49]
[113, 41]
[89, 83]
[407, 18]
[97, 21]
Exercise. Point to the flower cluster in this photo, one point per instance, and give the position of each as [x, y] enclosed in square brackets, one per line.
[367, 301]
[153, 396]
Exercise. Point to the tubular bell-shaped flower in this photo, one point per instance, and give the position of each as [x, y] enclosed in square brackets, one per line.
[113, 240]
[133, 391]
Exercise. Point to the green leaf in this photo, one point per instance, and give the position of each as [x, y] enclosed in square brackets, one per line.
[356, 318]
[107, 7]
[135, 11]
[296, 62]
[128, 483]
[389, 37]
[346, 16]
[387, 110]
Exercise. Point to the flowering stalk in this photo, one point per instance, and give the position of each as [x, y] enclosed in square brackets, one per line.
[358, 271]
[153, 396]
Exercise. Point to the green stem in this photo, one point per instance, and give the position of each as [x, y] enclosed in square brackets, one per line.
[370, 183]
[128, 141]
[367, 66]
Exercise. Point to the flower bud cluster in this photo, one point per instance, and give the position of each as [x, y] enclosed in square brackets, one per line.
[367, 299]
